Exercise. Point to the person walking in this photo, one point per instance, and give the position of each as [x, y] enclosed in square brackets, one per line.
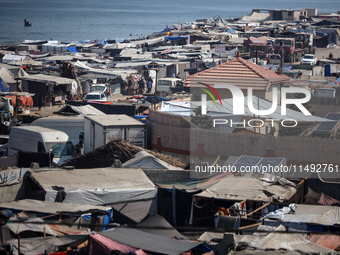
[149, 84]
[141, 84]
[41, 101]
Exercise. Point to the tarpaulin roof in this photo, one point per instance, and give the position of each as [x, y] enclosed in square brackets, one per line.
[290, 242]
[174, 38]
[259, 40]
[51, 207]
[27, 101]
[7, 76]
[99, 244]
[149, 242]
[195, 183]
[3, 86]
[46, 79]
[40, 245]
[145, 160]
[80, 109]
[28, 224]
[315, 214]
[157, 225]
[243, 187]
[97, 186]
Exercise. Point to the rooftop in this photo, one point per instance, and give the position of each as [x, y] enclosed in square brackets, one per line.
[238, 72]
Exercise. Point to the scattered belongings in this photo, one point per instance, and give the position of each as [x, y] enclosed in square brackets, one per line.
[106, 155]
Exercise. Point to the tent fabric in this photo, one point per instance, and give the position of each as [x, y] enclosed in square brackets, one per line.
[145, 160]
[306, 216]
[290, 242]
[240, 188]
[28, 225]
[43, 78]
[195, 184]
[3, 86]
[99, 245]
[7, 76]
[157, 225]
[327, 200]
[38, 245]
[136, 211]
[81, 109]
[327, 241]
[27, 101]
[94, 186]
[149, 242]
[51, 207]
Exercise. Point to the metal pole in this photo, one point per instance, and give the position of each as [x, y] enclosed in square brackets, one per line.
[257, 56]
[282, 56]
[155, 93]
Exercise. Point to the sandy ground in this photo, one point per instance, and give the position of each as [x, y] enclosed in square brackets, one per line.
[321, 53]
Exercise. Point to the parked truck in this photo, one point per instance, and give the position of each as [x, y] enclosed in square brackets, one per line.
[291, 52]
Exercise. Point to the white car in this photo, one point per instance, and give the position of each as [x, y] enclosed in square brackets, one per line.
[308, 59]
[96, 96]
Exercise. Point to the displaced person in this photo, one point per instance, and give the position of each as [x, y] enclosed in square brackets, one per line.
[141, 84]
[41, 101]
[149, 84]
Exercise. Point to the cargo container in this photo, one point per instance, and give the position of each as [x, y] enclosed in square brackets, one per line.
[100, 129]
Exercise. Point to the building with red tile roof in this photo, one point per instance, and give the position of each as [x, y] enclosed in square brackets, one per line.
[240, 73]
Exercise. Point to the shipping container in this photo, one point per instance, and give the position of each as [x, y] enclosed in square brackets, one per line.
[100, 129]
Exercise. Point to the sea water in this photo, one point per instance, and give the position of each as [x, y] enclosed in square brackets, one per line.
[73, 20]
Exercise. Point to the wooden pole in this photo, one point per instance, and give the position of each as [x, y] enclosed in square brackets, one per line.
[256, 210]
[19, 243]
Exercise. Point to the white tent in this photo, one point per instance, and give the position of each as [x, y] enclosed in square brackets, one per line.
[145, 160]
[99, 186]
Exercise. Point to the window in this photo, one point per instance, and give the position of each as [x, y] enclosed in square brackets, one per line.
[41, 147]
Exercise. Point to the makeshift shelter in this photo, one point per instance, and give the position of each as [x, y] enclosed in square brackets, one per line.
[149, 242]
[116, 187]
[40, 245]
[47, 207]
[106, 155]
[309, 218]
[57, 87]
[79, 110]
[290, 242]
[239, 188]
[11, 57]
[157, 225]
[8, 81]
[145, 160]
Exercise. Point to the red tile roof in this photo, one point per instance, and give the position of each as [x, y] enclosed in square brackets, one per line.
[238, 72]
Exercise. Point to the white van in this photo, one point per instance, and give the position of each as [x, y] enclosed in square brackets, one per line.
[72, 126]
[39, 139]
[164, 84]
